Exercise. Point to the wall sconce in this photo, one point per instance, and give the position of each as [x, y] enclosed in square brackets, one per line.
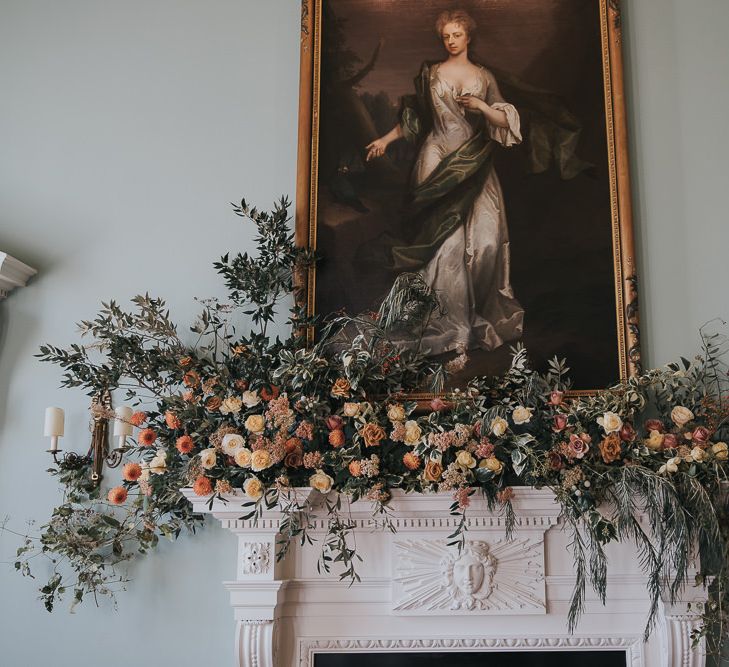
[98, 453]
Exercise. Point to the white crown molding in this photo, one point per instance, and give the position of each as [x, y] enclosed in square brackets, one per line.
[13, 273]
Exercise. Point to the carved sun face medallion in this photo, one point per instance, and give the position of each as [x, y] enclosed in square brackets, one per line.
[468, 577]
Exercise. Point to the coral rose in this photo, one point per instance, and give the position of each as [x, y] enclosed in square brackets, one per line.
[433, 471]
[670, 441]
[336, 438]
[654, 425]
[610, 448]
[147, 437]
[701, 435]
[202, 486]
[268, 394]
[411, 461]
[117, 495]
[681, 415]
[191, 379]
[372, 434]
[253, 488]
[556, 397]
[184, 444]
[578, 445]
[341, 388]
[185, 361]
[131, 472]
[438, 404]
[292, 444]
[334, 422]
[172, 420]
[138, 418]
[560, 422]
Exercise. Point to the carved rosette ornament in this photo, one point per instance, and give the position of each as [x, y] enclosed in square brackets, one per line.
[255, 557]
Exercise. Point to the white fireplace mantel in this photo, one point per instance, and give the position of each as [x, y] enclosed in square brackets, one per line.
[13, 273]
[416, 594]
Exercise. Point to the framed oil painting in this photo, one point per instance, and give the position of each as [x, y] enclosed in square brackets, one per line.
[481, 147]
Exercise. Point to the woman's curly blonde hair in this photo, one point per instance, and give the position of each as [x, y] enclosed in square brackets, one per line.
[459, 16]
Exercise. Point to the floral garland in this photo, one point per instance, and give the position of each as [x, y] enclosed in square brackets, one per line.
[256, 413]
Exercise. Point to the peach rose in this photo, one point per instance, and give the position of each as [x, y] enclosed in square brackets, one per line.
[242, 457]
[321, 482]
[521, 415]
[253, 488]
[208, 458]
[610, 448]
[499, 426]
[433, 470]
[465, 460]
[413, 433]
[493, 464]
[255, 423]
[720, 451]
[351, 409]
[232, 404]
[341, 388]
[681, 415]
[396, 413]
[372, 434]
[260, 460]
[654, 441]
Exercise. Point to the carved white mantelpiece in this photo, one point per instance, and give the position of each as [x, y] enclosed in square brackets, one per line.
[417, 594]
[13, 273]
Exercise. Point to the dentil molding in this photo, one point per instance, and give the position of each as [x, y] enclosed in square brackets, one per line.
[13, 273]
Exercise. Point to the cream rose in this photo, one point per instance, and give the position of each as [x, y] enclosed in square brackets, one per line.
[698, 454]
[521, 415]
[255, 423]
[465, 459]
[720, 451]
[321, 481]
[243, 457]
[231, 442]
[208, 458]
[250, 398]
[396, 413]
[260, 460]
[669, 466]
[253, 488]
[413, 433]
[493, 464]
[610, 422]
[350, 409]
[681, 415]
[654, 441]
[232, 404]
[499, 426]
[158, 465]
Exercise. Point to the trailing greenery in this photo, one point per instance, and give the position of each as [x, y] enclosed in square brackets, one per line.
[238, 410]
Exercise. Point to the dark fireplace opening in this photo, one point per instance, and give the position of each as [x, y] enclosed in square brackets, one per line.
[480, 659]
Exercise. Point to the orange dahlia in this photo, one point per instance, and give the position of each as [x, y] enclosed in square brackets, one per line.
[131, 472]
[172, 420]
[138, 418]
[411, 461]
[147, 437]
[336, 438]
[202, 486]
[184, 444]
[117, 495]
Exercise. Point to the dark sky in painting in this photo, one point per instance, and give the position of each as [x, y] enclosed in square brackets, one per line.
[526, 38]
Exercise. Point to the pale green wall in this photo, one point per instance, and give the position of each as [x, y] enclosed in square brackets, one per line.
[126, 127]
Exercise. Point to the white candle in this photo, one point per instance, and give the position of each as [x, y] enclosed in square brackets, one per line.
[122, 427]
[53, 427]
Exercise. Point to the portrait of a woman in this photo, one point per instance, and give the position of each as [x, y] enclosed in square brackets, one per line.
[457, 219]
[461, 152]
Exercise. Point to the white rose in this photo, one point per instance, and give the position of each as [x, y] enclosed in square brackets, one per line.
[669, 466]
[611, 422]
[698, 454]
[412, 433]
[321, 481]
[208, 458]
[243, 457]
[255, 423]
[253, 488]
[158, 465]
[250, 398]
[350, 409]
[232, 404]
[231, 442]
[681, 415]
[499, 426]
[521, 415]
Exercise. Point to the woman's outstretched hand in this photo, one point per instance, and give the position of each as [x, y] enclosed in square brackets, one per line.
[375, 149]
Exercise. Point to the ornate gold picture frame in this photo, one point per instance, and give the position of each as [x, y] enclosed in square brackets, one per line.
[551, 214]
